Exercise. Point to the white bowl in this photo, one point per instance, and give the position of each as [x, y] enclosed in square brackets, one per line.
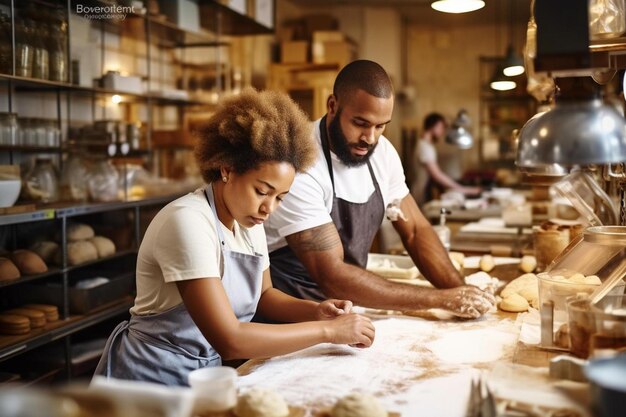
[215, 388]
[9, 191]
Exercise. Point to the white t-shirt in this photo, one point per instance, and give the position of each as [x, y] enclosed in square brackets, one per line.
[310, 199]
[425, 153]
[181, 243]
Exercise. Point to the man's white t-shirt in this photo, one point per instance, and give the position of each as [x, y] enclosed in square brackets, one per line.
[310, 199]
[181, 243]
[425, 153]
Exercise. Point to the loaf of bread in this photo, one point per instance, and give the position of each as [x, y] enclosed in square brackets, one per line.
[104, 246]
[81, 252]
[36, 317]
[46, 249]
[8, 270]
[28, 262]
[14, 325]
[79, 231]
[51, 312]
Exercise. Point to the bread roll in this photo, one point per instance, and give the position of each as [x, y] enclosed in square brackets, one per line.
[79, 231]
[51, 312]
[36, 317]
[46, 249]
[8, 270]
[104, 246]
[28, 262]
[13, 324]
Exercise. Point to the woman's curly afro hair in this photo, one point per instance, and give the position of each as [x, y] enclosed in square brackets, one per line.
[253, 128]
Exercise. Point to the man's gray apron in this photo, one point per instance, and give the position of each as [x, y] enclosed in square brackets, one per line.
[357, 224]
[165, 347]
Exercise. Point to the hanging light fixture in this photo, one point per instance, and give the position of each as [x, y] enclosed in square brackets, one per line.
[501, 82]
[513, 64]
[457, 6]
[458, 135]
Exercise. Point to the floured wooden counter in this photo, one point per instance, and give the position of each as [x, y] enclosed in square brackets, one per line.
[417, 366]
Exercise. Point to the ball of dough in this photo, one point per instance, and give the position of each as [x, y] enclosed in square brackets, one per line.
[531, 294]
[104, 246]
[514, 303]
[46, 249]
[358, 405]
[523, 281]
[528, 263]
[79, 231]
[79, 252]
[487, 263]
[8, 270]
[28, 262]
[261, 403]
[577, 278]
[593, 280]
[457, 256]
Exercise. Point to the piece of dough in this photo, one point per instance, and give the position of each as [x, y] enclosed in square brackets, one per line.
[483, 281]
[8, 270]
[261, 403]
[28, 262]
[577, 278]
[487, 263]
[46, 249]
[593, 280]
[79, 252]
[358, 405]
[104, 246]
[523, 281]
[457, 256]
[79, 231]
[514, 303]
[528, 263]
[456, 265]
[531, 294]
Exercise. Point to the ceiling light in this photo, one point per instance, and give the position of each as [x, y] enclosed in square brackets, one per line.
[458, 135]
[457, 6]
[500, 82]
[513, 65]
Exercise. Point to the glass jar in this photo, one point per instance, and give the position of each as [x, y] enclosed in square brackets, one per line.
[42, 182]
[57, 48]
[27, 136]
[73, 184]
[24, 49]
[41, 60]
[606, 19]
[41, 136]
[102, 181]
[6, 63]
[8, 129]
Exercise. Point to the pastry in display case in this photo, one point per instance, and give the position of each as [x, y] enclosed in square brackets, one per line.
[596, 256]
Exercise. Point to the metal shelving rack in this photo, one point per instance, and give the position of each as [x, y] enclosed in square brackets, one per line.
[216, 17]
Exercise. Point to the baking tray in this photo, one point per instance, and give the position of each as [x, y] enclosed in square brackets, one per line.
[81, 301]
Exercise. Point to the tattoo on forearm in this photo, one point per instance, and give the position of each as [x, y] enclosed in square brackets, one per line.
[317, 239]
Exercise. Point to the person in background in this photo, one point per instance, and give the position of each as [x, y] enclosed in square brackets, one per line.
[428, 173]
[320, 236]
[203, 267]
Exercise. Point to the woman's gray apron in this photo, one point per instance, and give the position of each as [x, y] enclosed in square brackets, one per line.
[165, 347]
[357, 224]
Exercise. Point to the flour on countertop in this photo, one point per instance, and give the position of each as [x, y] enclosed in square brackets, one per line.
[405, 352]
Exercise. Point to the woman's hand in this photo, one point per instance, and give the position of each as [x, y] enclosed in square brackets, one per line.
[351, 329]
[329, 309]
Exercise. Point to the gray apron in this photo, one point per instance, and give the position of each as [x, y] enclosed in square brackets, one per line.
[166, 346]
[356, 223]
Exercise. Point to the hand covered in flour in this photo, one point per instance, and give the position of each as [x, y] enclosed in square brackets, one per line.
[330, 309]
[350, 329]
[466, 301]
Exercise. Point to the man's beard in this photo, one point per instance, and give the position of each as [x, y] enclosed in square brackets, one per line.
[340, 146]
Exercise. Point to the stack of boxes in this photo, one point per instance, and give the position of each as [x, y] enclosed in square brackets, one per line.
[315, 39]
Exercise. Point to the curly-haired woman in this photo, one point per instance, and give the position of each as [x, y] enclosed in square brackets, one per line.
[203, 269]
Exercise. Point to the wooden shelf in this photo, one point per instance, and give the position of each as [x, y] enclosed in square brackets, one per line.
[26, 278]
[232, 22]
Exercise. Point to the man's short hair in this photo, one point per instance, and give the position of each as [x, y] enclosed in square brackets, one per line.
[364, 75]
[432, 119]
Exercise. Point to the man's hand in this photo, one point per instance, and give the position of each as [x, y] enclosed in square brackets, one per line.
[466, 301]
[329, 309]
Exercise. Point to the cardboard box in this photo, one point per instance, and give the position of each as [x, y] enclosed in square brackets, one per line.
[328, 36]
[183, 13]
[340, 53]
[293, 52]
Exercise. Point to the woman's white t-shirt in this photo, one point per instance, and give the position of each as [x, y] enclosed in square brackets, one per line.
[181, 243]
